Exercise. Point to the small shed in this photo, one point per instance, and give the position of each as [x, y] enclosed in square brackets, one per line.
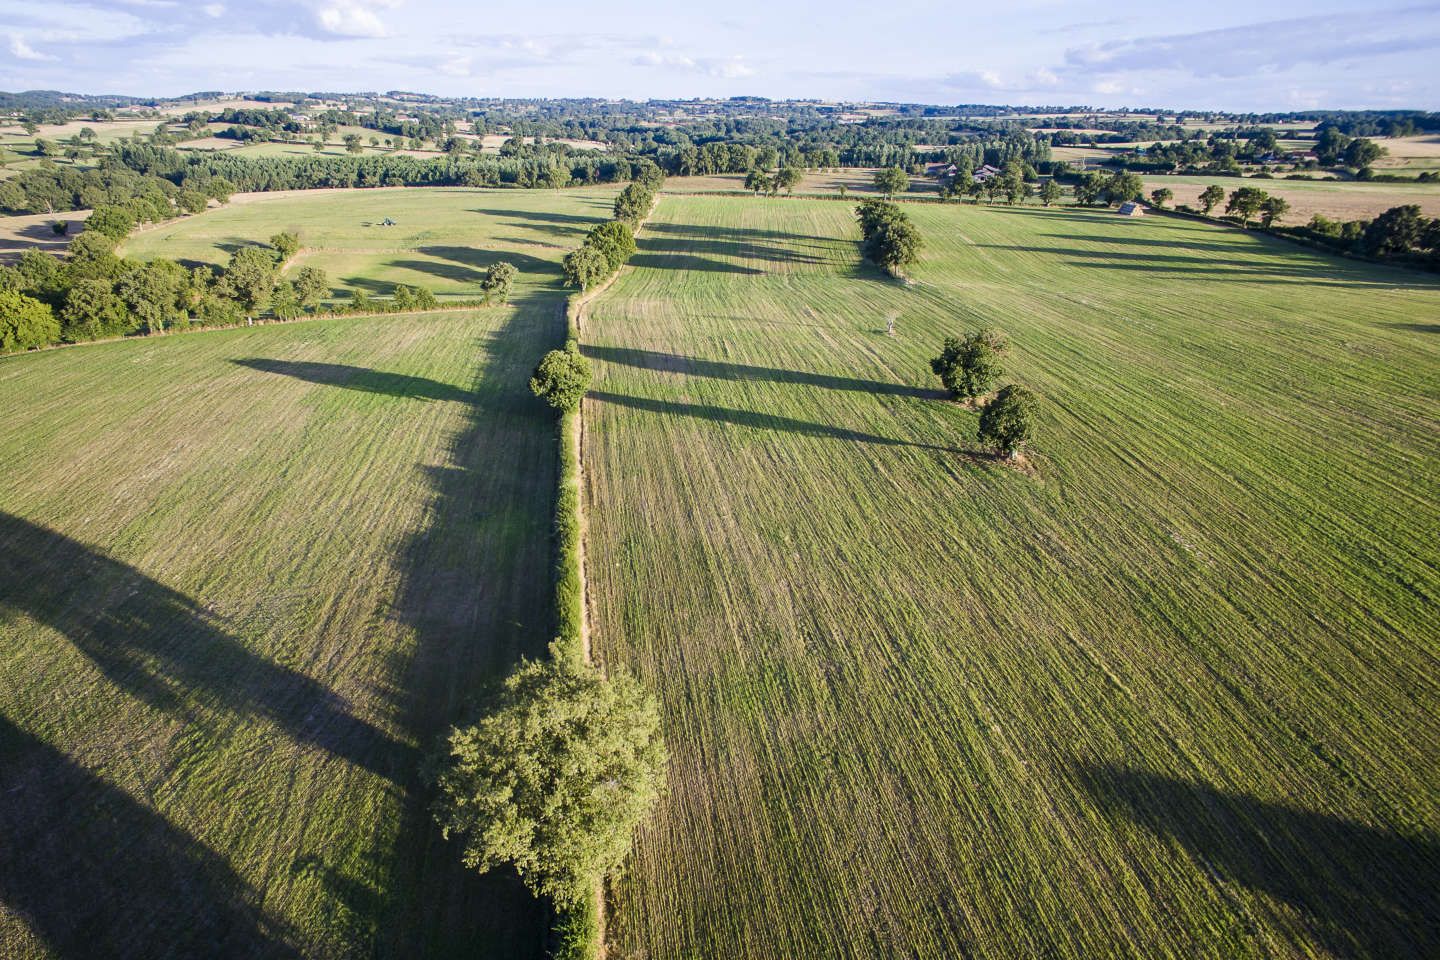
[1131, 209]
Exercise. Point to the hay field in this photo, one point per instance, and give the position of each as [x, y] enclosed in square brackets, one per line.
[444, 237]
[18, 234]
[1410, 155]
[1338, 199]
[857, 180]
[247, 577]
[1173, 695]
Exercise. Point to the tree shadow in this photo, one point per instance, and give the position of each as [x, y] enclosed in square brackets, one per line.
[694, 366]
[471, 264]
[1362, 891]
[161, 647]
[745, 235]
[542, 216]
[360, 378]
[1416, 327]
[770, 421]
[685, 261]
[96, 874]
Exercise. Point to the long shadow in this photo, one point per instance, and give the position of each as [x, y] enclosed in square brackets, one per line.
[685, 261]
[698, 243]
[694, 366]
[543, 216]
[766, 421]
[160, 646]
[1416, 327]
[1362, 891]
[748, 235]
[360, 378]
[96, 874]
[468, 265]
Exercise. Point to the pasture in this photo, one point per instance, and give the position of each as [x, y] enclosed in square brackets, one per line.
[1337, 199]
[246, 578]
[1173, 694]
[444, 238]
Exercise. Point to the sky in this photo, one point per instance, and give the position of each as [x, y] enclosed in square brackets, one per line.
[1224, 55]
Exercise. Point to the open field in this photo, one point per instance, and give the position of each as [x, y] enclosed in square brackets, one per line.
[443, 240]
[1173, 695]
[246, 577]
[1338, 199]
[1410, 154]
[857, 180]
[18, 234]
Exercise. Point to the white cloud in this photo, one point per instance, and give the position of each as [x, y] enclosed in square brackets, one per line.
[21, 50]
[214, 10]
[353, 18]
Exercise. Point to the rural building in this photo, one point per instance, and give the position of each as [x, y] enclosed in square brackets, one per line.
[1131, 209]
[985, 173]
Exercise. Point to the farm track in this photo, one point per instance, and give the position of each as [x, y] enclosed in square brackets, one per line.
[1176, 695]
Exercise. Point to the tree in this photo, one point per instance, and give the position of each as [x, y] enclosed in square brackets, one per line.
[613, 240]
[584, 267]
[25, 323]
[152, 293]
[311, 286]
[1211, 196]
[633, 204]
[285, 302]
[555, 777]
[1272, 209]
[1123, 188]
[562, 378]
[1014, 185]
[353, 143]
[872, 213]
[1360, 153]
[286, 245]
[894, 245]
[1397, 230]
[757, 180]
[250, 279]
[786, 178]
[968, 366]
[92, 310]
[1161, 197]
[497, 282]
[1050, 192]
[1008, 421]
[892, 180]
[113, 221]
[1246, 202]
[843, 191]
[1090, 187]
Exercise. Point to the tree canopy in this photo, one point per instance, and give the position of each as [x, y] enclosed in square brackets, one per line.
[555, 777]
[892, 180]
[562, 377]
[498, 279]
[1008, 421]
[969, 365]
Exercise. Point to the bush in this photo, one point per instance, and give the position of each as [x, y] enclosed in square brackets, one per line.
[562, 377]
[499, 277]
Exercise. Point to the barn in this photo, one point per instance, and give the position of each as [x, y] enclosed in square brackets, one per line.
[1131, 209]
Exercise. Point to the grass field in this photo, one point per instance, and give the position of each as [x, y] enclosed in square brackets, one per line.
[246, 577]
[1337, 199]
[1173, 695]
[443, 240]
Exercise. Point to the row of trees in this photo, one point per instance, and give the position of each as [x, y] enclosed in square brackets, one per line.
[1401, 232]
[887, 237]
[609, 245]
[968, 367]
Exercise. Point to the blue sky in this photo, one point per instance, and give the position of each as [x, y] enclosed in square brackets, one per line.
[1224, 55]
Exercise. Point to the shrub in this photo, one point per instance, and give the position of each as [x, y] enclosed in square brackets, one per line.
[499, 277]
[1008, 421]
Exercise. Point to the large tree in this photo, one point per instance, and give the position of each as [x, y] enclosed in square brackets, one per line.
[562, 377]
[1008, 421]
[584, 267]
[1397, 230]
[787, 178]
[1050, 192]
[286, 245]
[1211, 197]
[250, 279]
[757, 180]
[555, 778]
[892, 180]
[1246, 202]
[969, 365]
[311, 286]
[1161, 197]
[1272, 209]
[25, 323]
[498, 279]
[894, 245]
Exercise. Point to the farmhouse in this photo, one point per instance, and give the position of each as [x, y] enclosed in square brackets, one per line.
[985, 173]
[1131, 209]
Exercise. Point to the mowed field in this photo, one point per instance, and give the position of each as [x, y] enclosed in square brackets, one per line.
[246, 579]
[1173, 694]
[1337, 199]
[443, 239]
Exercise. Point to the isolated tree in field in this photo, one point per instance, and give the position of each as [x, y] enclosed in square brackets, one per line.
[1008, 421]
[353, 143]
[250, 279]
[286, 245]
[892, 180]
[562, 378]
[1246, 202]
[1123, 188]
[1050, 192]
[787, 178]
[893, 246]
[1272, 209]
[1210, 197]
[969, 365]
[25, 323]
[499, 277]
[311, 286]
[872, 213]
[843, 190]
[555, 778]
[1161, 197]
[757, 180]
[584, 267]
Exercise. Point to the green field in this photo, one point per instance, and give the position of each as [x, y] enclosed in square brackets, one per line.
[246, 578]
[443, 240]
[1173, 695]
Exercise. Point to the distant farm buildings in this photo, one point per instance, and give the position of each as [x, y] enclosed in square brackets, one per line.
[1131, 209]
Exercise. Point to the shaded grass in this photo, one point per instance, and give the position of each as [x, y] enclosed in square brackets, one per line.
[1162, 698]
